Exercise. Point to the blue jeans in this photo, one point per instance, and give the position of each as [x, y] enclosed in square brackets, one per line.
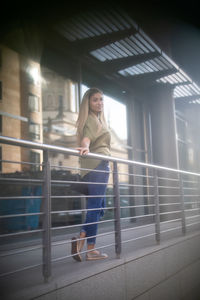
[95, 202]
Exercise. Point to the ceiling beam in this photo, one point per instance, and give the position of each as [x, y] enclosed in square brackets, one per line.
[188, 98]
[115, 65]
[88, 45]
[150, 78]
[174, 85]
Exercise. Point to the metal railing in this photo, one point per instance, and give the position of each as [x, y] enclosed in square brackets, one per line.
[144, 201]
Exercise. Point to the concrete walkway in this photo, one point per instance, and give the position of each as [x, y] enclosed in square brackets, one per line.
[30, 284]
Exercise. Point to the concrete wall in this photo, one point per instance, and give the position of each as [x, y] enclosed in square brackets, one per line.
[16, 87]
[164, 142]
[170, 271]
[10, 104]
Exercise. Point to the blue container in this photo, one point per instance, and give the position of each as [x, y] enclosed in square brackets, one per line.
[10, 207]
[32, 206]
[21, 206]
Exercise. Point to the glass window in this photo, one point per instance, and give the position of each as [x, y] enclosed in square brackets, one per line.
[115, 114]
[33, 103]
[34, 131]
[60, 104]
[181, 128]
[0, 159]
[1, 125]
[74, 97]
[84, 88]
[35, 158]
[0, 90]
[50, 103]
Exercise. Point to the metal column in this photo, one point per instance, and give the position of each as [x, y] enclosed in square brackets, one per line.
[118, 241]
[182, 204]
[157, 207]
[47, 218]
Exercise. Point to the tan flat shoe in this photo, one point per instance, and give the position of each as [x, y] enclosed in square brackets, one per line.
[75, 250]
[80, 244]
[96, 256]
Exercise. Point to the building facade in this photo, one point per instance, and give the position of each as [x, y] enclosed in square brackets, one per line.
[41, 90]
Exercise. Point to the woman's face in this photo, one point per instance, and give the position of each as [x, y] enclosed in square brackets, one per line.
[96, 103]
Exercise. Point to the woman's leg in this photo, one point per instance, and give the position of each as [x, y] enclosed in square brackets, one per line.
[93, 216]
[90, 227]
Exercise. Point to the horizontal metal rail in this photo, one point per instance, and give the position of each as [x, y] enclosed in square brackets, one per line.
[135, 206]
[137, 227]
[168, 187]
[145, 195]
[149, 210]
[170, 212]
[83, 239]
[138, 238]
[20, 180]
[78, 169]
[192, 217]
[170, 221]
[20, 215]
[192, 202]
[78, 225]
[136, 175]
[193, 224]
[177, 195]
[34, 145]
[20, 270]
[80, 210]
[171, 229]
[168, 179]
[167, 204]
[21, 197]
[192, 195]
[193, 209]
[188, 188]
[190, 181]
[21, 162]
[138, 216]
[135, 185]
[16, 252]
[78, 196]
[78, 182]
[20, 233]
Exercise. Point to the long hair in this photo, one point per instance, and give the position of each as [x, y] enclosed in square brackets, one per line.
[84, 112]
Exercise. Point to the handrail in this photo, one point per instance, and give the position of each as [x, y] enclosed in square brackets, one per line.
[41, 146]
[146, 205]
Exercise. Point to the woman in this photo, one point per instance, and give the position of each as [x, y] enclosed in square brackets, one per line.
[93, 136]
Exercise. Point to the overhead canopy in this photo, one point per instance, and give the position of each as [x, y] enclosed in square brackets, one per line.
[112, 51]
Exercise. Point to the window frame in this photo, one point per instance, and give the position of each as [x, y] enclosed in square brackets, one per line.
[31, 106]
[34, 135]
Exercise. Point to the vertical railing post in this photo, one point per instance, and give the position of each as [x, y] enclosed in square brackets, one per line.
[198, 188]
[47, 218]
[182, 204]
[157, 207]
[118, 241]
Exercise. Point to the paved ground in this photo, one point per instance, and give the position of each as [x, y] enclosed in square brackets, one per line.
[65, 271]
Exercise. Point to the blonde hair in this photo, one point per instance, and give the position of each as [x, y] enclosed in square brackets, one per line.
[84, 112]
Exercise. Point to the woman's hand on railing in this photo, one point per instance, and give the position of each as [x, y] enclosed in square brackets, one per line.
[83, 150]
[85, 144]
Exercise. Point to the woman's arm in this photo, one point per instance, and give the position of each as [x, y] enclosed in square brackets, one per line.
[85, 144]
